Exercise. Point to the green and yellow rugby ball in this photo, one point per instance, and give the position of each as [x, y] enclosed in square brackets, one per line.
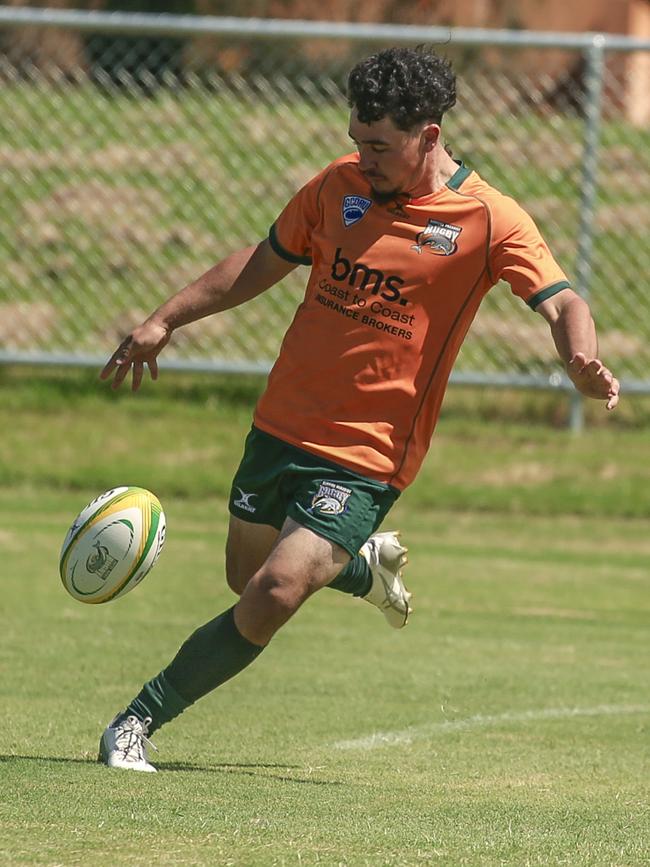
[112, 544]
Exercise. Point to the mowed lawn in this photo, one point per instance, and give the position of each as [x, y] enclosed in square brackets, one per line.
[507, 724]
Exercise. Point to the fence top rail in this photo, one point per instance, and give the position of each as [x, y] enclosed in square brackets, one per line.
[259, 28]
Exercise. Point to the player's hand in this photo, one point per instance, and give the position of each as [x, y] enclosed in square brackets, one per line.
[593, 379]
[141, 347]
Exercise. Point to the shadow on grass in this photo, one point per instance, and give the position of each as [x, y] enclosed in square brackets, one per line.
[250, 769]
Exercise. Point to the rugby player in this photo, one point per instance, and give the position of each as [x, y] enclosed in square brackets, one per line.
[403, 243]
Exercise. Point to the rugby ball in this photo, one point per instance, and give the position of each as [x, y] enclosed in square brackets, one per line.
[112, 544]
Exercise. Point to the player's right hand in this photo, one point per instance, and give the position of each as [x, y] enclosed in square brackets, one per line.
[141, 347]
[593, 379]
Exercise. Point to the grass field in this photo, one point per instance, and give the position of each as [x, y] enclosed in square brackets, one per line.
[508, 724]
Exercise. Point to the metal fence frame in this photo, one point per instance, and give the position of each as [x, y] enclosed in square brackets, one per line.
[593, 47]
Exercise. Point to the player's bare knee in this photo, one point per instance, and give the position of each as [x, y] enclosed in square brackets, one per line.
[235, 580]
[280, 592]
[237, 575]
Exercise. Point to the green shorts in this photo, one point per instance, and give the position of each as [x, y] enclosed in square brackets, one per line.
[276, 480]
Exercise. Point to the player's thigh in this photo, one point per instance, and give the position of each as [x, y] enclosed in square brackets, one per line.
[247, 547]
[304, 558]
[299, 563]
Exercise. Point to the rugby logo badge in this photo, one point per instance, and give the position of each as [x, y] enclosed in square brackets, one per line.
[439, 238]
[330, 499]
[354, 208]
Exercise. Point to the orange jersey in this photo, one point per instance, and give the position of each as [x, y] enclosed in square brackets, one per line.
[363, 367]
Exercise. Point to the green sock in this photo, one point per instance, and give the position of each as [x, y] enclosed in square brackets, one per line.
[355, 578]
[212, 655]
[157, 700]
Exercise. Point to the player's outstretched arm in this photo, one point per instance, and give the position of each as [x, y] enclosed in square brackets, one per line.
[575, 338]
[238, 278]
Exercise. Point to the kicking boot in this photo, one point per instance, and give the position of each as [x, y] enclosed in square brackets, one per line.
[123, 745]
[386, 558]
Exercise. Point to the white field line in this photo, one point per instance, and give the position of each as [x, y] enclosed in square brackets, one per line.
[414, 733]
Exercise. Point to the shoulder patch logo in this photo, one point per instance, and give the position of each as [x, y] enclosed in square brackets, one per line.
[354, 208]
[439, 238]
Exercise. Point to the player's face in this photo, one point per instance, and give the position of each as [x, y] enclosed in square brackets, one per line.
[393, 161]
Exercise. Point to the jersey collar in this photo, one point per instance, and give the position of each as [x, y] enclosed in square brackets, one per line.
[455, 181]
[459, 176]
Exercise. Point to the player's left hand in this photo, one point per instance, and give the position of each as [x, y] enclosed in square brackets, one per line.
[593, 379]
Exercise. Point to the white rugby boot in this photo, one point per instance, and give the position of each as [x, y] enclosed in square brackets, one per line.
[386, 558]
[123, 745]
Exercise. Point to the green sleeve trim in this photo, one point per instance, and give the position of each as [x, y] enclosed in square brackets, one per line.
[285, 254]
[549, 292]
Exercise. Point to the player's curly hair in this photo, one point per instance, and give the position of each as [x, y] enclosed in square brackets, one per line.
[409, 85]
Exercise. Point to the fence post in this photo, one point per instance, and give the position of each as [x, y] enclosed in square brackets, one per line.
[594, 72]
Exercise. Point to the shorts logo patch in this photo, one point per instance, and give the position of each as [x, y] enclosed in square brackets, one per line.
[439, 238]
[331, 499]
[244, 501]
[354, 208]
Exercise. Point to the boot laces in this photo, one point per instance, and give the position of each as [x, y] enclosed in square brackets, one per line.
[131, 737]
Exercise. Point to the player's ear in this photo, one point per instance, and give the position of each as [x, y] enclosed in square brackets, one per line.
[430, 136]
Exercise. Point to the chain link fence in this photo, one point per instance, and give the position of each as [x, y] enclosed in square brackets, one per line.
[135, 151]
